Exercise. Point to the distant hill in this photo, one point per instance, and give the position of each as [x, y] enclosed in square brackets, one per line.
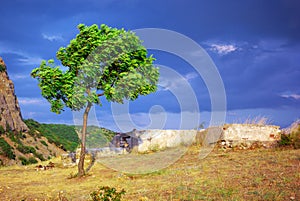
[66, 136]
[63, 136]
[44, 141]
[97, 137]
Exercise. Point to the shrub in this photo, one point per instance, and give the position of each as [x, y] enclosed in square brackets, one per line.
[26, 149]
[295, 136]
[285, 140]
[291, 139]
[2, 131]
[23, 160]
[106, 193]
[2, 68]
[6, 149]
[26, 161]
[32, 160]
[44, 143]
[40, 156]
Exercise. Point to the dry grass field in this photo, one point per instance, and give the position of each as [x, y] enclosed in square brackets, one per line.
[261, 174]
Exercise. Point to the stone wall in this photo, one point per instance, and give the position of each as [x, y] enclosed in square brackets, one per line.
[239, 133]
[153, 140]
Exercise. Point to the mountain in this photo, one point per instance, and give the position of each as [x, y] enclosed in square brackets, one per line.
[10, 114]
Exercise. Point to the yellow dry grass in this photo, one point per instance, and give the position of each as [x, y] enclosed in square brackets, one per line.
[263, 174]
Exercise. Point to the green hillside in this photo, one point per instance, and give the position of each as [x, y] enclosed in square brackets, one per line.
[63, 136]
[97, 137]
[66, 137]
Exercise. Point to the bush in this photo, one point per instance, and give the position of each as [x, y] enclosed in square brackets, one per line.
[6, 149]
[295, 136]
[44, 143]
[40, 156]
[32, 160]
[285, 140]
[106, 193]
[23, 160]
[292, 139]
[26, 161]
[2, 68]
[26, 149]
[2, 131]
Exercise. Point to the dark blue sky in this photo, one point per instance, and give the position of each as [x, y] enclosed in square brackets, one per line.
[254, 44]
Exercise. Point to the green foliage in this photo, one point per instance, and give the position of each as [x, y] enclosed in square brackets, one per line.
[44, 143]
[285, 140]
[2, 68]
[295, 136]
[2, 131]
[106, 193]
[100, 61]
[25, 161]
[6, 149]
[63, 136]
[39, 156]
[15, 137]
[292, 139]
[26, 149]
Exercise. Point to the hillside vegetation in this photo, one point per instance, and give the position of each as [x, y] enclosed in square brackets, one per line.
[45, 141]
[63, 136]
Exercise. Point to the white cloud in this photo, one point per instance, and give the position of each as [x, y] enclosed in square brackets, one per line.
[31, 60]
[175, 81]
[191, 76]
[52, 37]
[26, 60]
[18, 76]
[223, 49]
[31, 101]
[294, 96]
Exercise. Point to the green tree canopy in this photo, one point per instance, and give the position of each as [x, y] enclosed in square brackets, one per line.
[106, 61]
[101, 61]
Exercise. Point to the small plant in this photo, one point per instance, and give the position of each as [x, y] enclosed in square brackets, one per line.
[32, 160]
[2, 68]
[291, 139]
[39, 156]
[23, 160]
[285, 140]
[295, 136]
[2, 131]
[72, 175]
[44, 143]
[26, 149]
[6, 149]
[106, 193]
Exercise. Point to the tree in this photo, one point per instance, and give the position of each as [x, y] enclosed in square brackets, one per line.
[103, 61]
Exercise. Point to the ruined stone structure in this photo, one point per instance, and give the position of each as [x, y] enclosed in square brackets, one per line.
[161, 139]
[235, 134]
[10, 114]
[230, 135]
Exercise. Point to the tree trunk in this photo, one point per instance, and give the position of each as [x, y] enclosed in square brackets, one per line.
[81, 171]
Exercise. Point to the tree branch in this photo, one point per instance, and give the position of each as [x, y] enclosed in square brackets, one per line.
[100, 94]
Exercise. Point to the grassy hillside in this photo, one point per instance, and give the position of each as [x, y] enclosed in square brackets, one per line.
[63, 136]
[44, 141]
[262, 174]
[25, 149]
[98, 137]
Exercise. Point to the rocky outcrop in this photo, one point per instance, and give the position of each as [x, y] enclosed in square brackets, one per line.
[10, 114]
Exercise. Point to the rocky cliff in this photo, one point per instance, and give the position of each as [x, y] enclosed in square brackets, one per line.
[10, 114]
